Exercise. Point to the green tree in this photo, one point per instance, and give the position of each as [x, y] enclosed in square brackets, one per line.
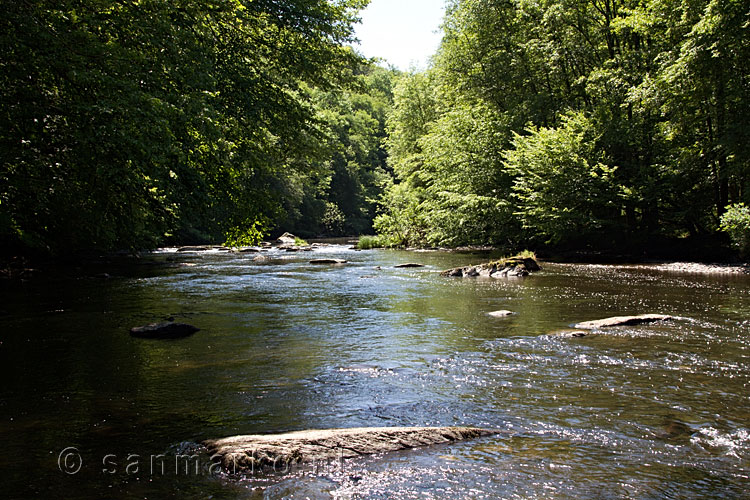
[565, 192]
[644, 103]
[125, 124]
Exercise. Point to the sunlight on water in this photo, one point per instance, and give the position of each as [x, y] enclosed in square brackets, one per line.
[650, 411]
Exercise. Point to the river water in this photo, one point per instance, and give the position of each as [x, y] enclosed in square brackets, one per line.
[652, 411]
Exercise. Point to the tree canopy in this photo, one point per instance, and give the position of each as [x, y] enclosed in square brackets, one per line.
[573, 122]
[129, 123]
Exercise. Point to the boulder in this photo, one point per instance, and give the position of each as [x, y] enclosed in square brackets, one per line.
[278, 451]
[506, 268]
[622, 321]
[163, 330]
[260, 258]
[500, 314]
[249, 250]
[472, 271]
[409, 264]
[501, 273]
[328, 261]
[286, 239]
[530, 264]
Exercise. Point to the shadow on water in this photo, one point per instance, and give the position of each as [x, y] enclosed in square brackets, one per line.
[651, 411]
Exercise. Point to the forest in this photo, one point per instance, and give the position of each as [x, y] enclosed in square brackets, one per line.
[571, 124]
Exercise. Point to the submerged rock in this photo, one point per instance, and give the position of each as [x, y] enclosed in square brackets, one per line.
[507, 268]
[570, 333]
[674, 430]
[328, 261]
[275, 451]
[408, 264]
[622, 321]
[163, 330]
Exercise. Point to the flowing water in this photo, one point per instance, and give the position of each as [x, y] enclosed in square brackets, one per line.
[651, 411]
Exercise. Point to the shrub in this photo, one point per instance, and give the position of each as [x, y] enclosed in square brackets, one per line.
[736, 222]
[380, 241]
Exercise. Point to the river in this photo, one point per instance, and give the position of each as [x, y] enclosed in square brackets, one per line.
[651, 411]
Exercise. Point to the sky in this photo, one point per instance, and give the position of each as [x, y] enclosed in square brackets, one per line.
[403, 32]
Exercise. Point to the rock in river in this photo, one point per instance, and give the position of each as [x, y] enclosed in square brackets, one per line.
[622, 321]
[500, 314]
[274, 451]
[409, 264]
[286, 239]
[163, 330]
[328, 261]
[506, 268]
[570, 333]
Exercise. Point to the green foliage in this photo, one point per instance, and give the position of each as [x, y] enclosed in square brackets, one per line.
[132, 124]
[401, 221]
[128, 124]
[333, 220]
[346, 171]
[250, 233]
[563, 189]
[300, 242]
[736, 222]
[367, 242]
[573, 123]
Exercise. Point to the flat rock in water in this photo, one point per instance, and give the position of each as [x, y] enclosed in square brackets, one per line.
[622, 321]
[255, 452]
[409, 264]
[500, 314]
[163, 330]
[194, 248]
[328, 261]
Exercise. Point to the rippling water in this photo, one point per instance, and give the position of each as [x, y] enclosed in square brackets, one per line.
[653, 411]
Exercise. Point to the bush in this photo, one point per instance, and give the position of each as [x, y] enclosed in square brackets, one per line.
[380, 241]
[736, 222]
